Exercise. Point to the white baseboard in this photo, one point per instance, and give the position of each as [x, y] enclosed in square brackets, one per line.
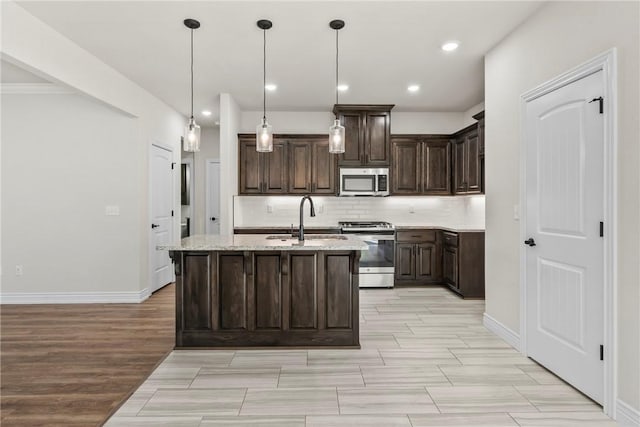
[502, 331]
[626, 416]
[75, 297]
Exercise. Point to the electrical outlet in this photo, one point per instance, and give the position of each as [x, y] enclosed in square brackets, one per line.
[412, 209]
[269, 208]
[320, 209]
[18, 270]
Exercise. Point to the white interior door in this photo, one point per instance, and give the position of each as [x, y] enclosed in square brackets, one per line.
[564, 207]
[212, 219]
[161, 218]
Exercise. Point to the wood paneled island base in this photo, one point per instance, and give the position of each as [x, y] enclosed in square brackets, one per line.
[227, 298]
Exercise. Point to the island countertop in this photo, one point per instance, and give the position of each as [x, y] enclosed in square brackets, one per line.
[262, 242]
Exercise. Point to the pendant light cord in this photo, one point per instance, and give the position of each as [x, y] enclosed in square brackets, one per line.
[192, 73]
[264, 74]
[337, 50]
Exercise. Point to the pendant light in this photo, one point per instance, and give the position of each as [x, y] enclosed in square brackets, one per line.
[192, 130]
[264, 131]
[336, 131]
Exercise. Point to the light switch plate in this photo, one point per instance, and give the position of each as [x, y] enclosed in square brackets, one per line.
[269, 208]
[112, 210]
[516, 212]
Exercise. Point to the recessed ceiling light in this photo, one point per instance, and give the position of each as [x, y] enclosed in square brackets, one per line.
[413, 88]
[206, 113]
[270, 87]
[450, 46]
[342, 88]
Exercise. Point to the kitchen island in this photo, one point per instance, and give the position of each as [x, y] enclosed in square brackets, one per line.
[260, 290]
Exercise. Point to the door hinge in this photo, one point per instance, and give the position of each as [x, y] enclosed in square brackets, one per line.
[171, 213]
[601, 229]
[601, 102]
[173, 165]
[601, 352]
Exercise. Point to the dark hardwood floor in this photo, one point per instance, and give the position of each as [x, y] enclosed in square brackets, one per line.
[73, 364]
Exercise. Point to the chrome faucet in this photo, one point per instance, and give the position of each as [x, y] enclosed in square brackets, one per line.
[313, 213]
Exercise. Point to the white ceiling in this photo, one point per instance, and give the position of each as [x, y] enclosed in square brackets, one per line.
[384, 47]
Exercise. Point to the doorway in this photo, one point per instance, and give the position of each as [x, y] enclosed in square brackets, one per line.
[567, 193]
[162, 215]
[212, 219]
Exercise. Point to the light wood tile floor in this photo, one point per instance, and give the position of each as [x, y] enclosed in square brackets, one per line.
[426, 360]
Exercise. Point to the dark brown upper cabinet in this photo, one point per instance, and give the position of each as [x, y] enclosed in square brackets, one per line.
[299, 164]
[467, 175]
[262, 173]
[480, 118]
[312, 169]
[367, 134]
[421, 165]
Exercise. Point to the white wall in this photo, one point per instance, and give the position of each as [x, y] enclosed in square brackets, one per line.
[230, 118]
[467, 116]
[559, 37]
[66, 157]
[33, 45]
[465, 212]
[209, 149]
[314, 122]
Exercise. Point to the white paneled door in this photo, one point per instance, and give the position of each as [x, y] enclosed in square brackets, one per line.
[161, 215]
[564, 255]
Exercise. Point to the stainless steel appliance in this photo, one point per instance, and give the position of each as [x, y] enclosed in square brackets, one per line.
[364, 182]
[376, 264]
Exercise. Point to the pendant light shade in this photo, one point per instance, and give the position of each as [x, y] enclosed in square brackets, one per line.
[192, 130]
[192, 136]
[336, 137]
[264, 131]
[336, 131]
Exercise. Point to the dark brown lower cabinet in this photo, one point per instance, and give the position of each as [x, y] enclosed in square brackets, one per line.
[431, 256]
[265, 298]
[417, 257]
[463, 263]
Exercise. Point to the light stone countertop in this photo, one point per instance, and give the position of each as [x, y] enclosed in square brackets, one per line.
[259, 242]
[455, 229]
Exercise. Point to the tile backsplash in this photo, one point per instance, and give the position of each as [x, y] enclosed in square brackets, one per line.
[282, 211]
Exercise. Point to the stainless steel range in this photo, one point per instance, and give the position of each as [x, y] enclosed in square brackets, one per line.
[376, 264]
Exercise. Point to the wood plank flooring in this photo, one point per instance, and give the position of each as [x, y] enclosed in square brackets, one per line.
[71, 365]
[426, 360]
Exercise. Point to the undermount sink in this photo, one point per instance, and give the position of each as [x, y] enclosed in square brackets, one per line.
[285, 238]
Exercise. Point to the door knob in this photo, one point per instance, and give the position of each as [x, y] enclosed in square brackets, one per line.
[530, 242]
[213, 218]
[155, 225]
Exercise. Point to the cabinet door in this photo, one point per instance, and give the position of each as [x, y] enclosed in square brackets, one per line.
[426, 261]
[300, 167]
[405, 268]
[353, 123]
[275, 169]
[406, 166]
[459, 161]
[377, 139]
[251, 170]
[472, 160]
[450, 265]
[436, 167]
[323, 168]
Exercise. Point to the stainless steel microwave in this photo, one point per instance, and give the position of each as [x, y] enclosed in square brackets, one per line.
[364, 182]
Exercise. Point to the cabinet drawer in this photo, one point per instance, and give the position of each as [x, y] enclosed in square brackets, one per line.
[416, 236]
[450, 239]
